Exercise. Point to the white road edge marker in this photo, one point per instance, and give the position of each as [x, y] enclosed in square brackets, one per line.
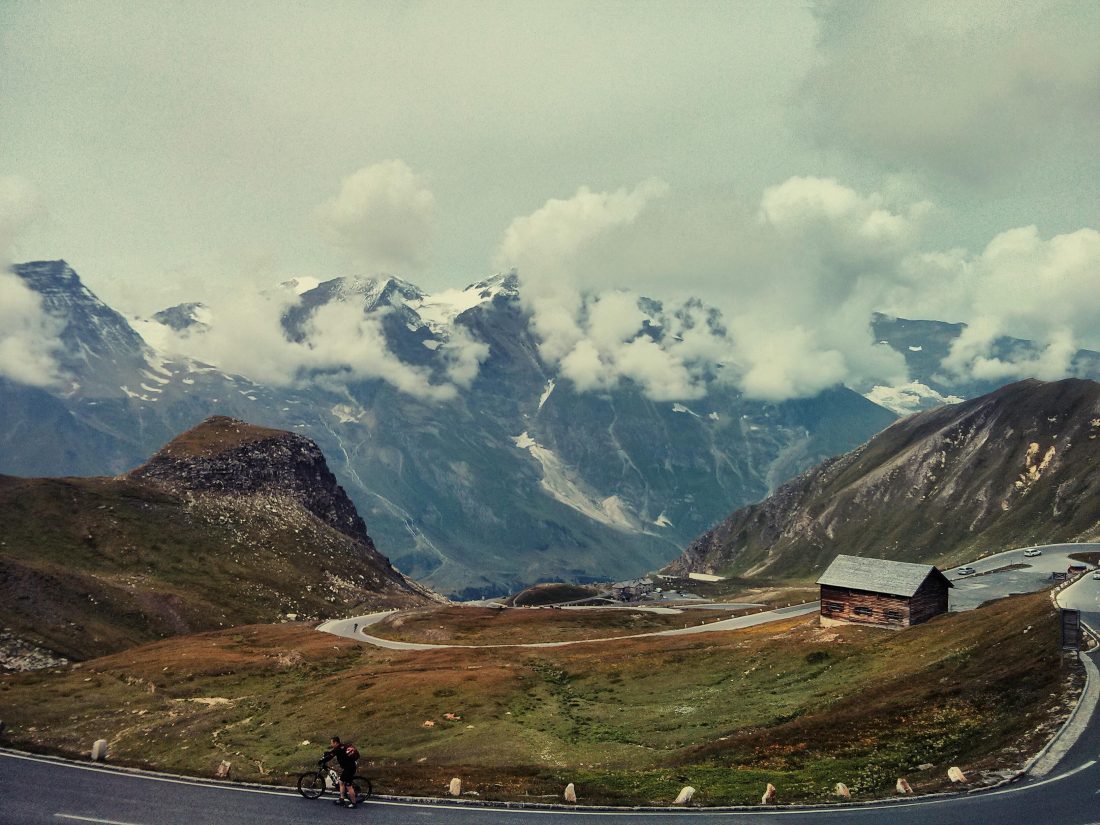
[93, 819]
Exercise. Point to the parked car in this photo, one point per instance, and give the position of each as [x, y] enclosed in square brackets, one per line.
[1032, 551]
[965, 571]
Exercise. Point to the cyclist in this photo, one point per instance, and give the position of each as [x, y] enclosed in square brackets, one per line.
[346, 762]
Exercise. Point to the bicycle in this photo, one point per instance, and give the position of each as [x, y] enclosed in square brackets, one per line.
[313, 784]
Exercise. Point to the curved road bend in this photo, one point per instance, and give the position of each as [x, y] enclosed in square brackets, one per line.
[968, 593]
[347, 628]
[40, 790]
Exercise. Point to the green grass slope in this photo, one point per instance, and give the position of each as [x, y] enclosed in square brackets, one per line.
[630, 722]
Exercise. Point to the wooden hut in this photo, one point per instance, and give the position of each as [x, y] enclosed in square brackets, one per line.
[881, 592]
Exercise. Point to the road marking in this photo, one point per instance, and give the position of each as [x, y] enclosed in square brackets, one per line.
[93, 819]
[152, 777]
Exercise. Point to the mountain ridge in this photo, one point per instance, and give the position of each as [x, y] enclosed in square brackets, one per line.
[449, 494]
[1019, 465]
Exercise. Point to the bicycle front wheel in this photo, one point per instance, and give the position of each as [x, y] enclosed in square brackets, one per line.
[311, 785]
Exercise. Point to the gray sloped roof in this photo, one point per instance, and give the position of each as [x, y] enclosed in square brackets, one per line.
[897, 578]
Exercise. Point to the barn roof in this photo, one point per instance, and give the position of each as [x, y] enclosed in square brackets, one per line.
[896, 578]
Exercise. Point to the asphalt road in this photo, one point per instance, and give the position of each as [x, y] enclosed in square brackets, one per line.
[989, 581]
[354, 627]
[43, 790]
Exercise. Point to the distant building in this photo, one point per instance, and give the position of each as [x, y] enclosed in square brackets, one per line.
[630, 590]
[880, 592]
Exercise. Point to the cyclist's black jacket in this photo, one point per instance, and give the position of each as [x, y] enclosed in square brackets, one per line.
[340, 752]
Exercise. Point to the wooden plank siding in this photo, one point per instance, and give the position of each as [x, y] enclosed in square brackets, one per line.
[873, 608]
[930, 600]
[881, 592]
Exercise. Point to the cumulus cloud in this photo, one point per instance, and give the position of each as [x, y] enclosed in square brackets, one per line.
[591, 334]
[340, 343]
[793, 313]
[29, 336]
[1023, 286]
[382, 217]
[968, 90]
[613, 349]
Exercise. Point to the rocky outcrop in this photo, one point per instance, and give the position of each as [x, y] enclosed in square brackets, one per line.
[1017, 466]
[230, 457]
[228, 524]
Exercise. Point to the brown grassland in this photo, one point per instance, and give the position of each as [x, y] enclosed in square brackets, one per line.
[487, 625]
[629, 722]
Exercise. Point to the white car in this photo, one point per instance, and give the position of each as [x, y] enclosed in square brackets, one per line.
[1032, 551]
[1096, 576]
[965, 571]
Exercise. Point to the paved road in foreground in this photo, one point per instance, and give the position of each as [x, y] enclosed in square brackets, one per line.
[39, 790]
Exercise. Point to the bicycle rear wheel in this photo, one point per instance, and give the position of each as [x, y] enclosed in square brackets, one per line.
[363, 786]
[311, 785]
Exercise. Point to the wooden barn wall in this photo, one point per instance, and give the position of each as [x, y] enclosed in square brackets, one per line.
[878, 603]
[930, 600]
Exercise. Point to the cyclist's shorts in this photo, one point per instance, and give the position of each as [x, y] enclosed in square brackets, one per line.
[347, 774]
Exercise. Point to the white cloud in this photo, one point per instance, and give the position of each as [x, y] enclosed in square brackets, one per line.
[1023, 286]
[29, 336]
[591, 334]
[340, 344]
[383, 217]
[796, 288]
[464, 355]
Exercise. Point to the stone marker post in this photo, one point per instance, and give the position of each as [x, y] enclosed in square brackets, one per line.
[99, 750]
[685, 796]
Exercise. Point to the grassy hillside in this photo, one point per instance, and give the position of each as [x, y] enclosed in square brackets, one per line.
[793, 704]
[89, 566]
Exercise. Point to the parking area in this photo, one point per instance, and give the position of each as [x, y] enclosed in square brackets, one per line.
[1031, 574]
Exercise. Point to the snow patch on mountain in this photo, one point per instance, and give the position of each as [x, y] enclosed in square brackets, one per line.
[546, 392]
[439, 310]
[559, 482]
[906, 399]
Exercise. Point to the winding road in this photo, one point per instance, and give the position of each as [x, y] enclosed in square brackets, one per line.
[46, 790]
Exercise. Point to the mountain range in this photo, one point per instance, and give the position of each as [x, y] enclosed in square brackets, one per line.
[513, 479]
[1019, 465]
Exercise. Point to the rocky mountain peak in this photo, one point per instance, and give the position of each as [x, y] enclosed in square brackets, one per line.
[91, 330]
[225, 456]
[191, 315]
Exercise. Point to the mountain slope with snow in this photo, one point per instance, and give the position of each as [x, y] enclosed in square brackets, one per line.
[498, 474]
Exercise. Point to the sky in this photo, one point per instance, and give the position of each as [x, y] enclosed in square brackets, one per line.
[797, 164]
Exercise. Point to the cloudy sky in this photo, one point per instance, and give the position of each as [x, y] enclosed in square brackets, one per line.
[798, 164]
